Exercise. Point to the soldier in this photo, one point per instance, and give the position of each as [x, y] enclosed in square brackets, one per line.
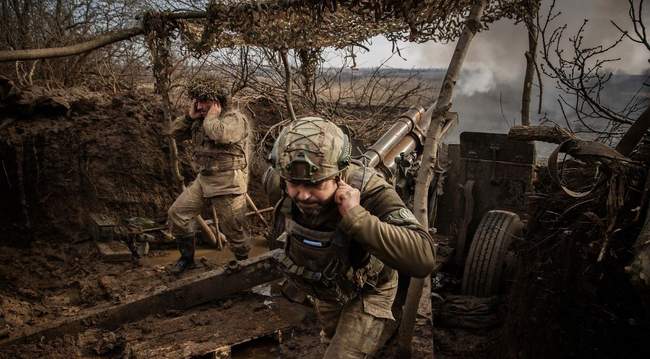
[347, 233]
[220, 158]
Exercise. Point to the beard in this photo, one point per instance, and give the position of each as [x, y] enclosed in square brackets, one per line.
[312, 210]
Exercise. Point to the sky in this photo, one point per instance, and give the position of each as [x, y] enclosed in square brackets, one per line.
[501, 47]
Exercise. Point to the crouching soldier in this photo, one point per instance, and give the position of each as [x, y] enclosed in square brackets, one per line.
[347, 234]
[220, 143]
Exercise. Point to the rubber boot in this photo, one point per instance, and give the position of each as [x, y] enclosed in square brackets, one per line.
[186, 245]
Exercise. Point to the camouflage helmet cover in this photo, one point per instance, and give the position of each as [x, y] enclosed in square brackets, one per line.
[208, 88]
[310, 149]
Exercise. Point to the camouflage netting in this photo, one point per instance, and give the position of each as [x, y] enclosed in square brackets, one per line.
[309, 24]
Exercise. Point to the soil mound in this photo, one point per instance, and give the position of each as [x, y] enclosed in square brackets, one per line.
[67, 155]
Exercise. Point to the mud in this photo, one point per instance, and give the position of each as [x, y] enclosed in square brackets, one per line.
[55, 281]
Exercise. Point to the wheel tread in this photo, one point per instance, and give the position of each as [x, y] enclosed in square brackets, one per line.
[483, 266]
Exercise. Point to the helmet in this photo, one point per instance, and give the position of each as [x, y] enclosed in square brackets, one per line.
[310, 149]
[208, 88]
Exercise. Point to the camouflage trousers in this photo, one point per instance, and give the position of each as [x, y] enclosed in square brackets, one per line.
[351, 332]
[231, 212]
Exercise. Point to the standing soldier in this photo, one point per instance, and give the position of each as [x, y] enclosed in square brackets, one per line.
[347, 233]
[220, 157]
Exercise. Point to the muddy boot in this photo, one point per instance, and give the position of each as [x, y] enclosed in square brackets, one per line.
[186, 245]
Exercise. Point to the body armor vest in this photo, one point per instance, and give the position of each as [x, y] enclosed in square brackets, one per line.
[326, 264]
[320, 264]
[209, 157]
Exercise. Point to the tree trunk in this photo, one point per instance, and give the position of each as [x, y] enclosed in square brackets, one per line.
[530, 55]
[439, 125]
[159, 47]
[639, 268]
[287, 83]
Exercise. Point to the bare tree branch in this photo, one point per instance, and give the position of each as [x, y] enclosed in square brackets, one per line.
[53, 52]
[580, 71]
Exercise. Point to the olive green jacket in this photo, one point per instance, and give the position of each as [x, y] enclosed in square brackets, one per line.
[381, 225]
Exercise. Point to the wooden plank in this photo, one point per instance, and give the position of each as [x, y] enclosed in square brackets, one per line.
[114, 251]
[182, 294]
[214, 329]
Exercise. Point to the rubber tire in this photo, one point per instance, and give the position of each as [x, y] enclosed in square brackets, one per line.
[485, 262]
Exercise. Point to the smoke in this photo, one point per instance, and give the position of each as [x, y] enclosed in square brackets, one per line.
[489, 91]
[476, 80]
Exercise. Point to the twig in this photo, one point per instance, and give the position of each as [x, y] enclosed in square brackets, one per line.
[254, 207]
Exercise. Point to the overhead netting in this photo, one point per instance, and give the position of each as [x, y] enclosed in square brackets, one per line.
[308, 24]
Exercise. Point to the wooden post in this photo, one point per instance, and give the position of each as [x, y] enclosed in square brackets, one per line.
[429, 158]
[221, 238]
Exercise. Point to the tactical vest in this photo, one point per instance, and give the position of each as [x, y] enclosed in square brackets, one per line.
[210, 157]
[323, 263]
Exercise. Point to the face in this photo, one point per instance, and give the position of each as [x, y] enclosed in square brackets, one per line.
[312, 198]
[203, 106]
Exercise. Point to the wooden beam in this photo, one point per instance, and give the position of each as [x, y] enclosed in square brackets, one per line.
[185, 293]
[549, 134]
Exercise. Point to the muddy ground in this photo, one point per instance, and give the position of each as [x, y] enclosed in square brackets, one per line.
[50, 283]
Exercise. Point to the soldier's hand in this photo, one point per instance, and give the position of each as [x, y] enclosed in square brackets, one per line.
[214, 111]
[193, 112]
[346, 197]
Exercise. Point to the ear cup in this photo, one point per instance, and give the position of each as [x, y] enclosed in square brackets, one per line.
[273, 156]
[346, 153]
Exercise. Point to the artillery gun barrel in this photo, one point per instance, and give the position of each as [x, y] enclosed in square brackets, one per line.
[405, 135]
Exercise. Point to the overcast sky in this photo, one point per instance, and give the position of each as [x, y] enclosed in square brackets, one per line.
[500, 50]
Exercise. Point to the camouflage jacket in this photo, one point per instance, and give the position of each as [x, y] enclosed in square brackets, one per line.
[220, 151]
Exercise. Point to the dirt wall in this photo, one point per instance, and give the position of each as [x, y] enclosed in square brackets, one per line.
[78, 154]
